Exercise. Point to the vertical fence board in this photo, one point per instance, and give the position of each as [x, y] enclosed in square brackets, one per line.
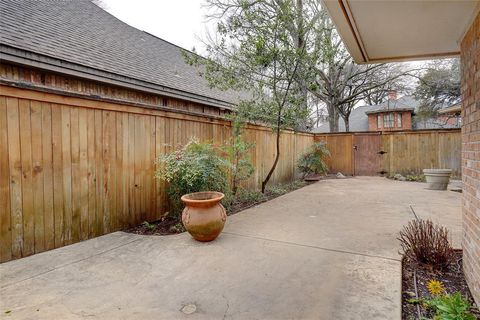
[91, 172]
[75, 167]
[57, 175]
[67, 172]
[99, 187]
[131, 170]
[83, 172]
[5, 217]
[27, 181]
[37, 176]
[15, 169]
[47, 158]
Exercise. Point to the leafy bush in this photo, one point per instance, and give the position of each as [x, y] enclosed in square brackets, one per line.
[426, 243]
[313, 160]
[147, 225]
[195, 167]
[450, 307]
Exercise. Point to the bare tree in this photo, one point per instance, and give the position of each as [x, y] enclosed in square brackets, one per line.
[340, 83]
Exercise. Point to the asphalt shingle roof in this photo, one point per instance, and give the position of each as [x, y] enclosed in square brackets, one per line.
[358, 122]
[403, 103]
[80, 32]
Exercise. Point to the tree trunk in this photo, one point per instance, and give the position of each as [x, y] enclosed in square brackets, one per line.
[300, 79]
[269, 175]
[346, 120]
[333, 117]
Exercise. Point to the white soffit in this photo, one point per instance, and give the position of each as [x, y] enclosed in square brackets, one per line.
[392, 30]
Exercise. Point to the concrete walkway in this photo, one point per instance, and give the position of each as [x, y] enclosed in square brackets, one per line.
[327, 251]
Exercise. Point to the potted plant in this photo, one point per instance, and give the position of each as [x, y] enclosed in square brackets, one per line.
[437, 179]
[196, 175]
[204, 216]
[312, 162]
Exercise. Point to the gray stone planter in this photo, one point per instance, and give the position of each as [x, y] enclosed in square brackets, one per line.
[437, 179]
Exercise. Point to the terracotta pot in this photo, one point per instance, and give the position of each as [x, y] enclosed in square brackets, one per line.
[437, 179]
[204, 216]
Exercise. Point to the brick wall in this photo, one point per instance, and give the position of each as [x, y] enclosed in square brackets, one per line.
[470, 59]
[406, 121]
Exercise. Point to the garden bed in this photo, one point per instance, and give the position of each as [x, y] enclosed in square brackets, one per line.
[244, 200]
[452, 278]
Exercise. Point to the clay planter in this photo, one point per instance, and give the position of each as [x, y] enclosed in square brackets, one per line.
[204, 216]
[437, 179]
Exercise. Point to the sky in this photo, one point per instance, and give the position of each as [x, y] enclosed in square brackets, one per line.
[180, 22]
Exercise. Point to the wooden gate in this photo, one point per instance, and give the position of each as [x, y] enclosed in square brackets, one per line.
[367, 154]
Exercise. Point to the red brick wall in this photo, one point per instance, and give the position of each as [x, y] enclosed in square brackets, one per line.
[406, 122]
[470, 59]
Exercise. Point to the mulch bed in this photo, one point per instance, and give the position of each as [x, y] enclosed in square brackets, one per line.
[163, 227]
[452, 278]
[238, 206]
[168, 225]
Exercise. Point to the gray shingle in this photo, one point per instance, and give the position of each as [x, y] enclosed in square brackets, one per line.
[80, 32]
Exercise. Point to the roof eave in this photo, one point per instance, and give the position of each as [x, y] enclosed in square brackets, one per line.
[412, 110]
[343, 18]
[30, 59]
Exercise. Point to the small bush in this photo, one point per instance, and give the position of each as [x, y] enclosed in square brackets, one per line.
[313, 160]
[147, 225]
[426, 243]
[451, 307]
[417, 178]
[277, 190]
[195, 167]
[250, 196]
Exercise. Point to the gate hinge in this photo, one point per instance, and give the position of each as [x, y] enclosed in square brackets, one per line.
[382, 152]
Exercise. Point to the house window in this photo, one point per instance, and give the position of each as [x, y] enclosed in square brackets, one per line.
[399, 120]
[379, 121]
[388, 120]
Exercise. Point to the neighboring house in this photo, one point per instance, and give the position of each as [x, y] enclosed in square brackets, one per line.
[78, 48]
[395, 115]
[392, 115]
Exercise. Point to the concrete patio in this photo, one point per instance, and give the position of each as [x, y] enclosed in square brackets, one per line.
[327, 251]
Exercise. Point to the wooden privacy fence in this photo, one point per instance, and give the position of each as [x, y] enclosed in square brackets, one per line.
[405, 152]
[73, 169]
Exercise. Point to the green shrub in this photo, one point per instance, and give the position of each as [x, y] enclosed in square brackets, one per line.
[195, 167]
[426, 243]
[147, 225]
[450, 307]
[313, 160]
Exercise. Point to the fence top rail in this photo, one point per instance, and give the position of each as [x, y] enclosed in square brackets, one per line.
[443, 130]
[101, 103]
